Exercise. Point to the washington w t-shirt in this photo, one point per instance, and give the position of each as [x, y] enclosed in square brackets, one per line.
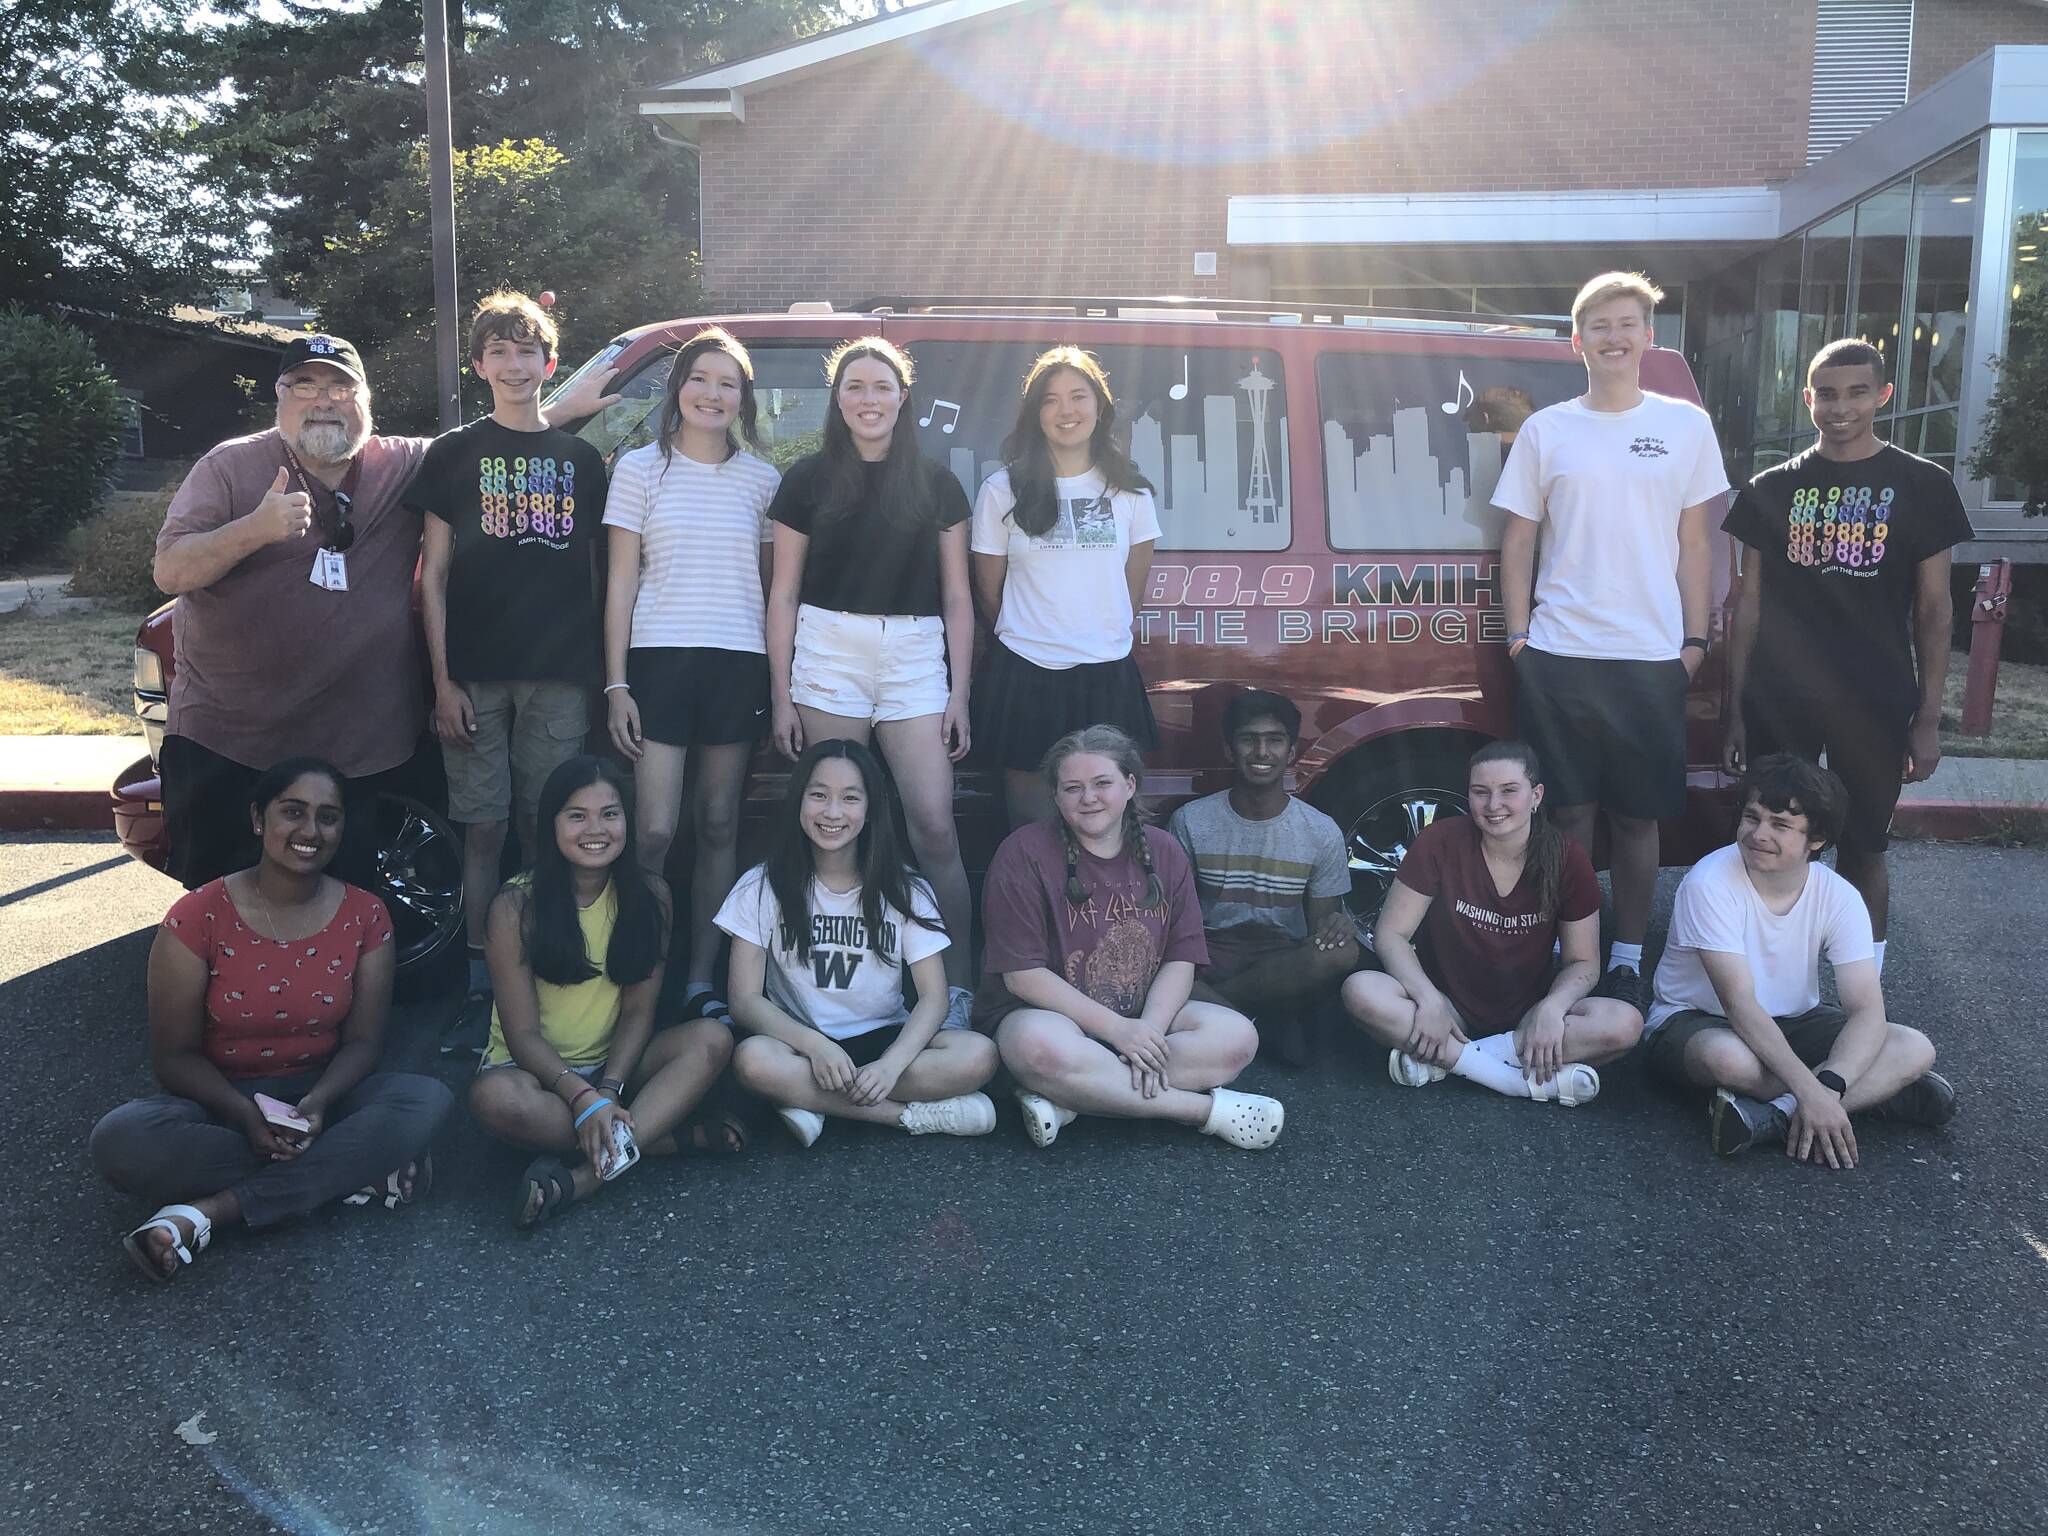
[844, 988]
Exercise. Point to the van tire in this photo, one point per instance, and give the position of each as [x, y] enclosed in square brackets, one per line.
[1380, 797]
[418, 877]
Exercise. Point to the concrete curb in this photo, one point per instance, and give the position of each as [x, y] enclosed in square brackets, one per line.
[56, 810]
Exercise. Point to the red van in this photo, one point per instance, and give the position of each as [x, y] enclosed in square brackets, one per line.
[1323, 480]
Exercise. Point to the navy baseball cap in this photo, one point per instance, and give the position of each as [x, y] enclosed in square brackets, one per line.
[331, 350]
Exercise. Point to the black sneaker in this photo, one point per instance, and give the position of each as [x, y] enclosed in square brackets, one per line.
[1929, 1100]
[470, 1031]
[1622, 983]
[1735, 1122]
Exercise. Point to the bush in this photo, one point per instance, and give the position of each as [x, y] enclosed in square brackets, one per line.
[112, 556]
[61, 421]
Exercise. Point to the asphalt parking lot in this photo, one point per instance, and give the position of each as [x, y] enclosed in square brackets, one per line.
[1422, 1311]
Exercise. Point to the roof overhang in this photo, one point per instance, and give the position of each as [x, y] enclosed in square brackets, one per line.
[720, 93]
[1684, 216]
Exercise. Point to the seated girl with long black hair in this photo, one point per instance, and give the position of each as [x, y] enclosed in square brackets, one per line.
[576, 947]
[821, 934]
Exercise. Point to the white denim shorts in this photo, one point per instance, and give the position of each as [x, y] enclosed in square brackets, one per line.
[865, 666]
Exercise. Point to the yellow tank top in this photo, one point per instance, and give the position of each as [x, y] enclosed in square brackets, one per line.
[577, 1021]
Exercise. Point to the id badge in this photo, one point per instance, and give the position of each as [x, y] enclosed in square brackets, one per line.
[337, 570]
[318, 576]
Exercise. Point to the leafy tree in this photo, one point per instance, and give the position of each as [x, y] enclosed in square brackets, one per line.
[60, 430]
[527, 217]
[96, 157]
[2014, 446]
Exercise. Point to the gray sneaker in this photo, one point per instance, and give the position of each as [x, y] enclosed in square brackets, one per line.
[1929, 1100]
[1735, 1122]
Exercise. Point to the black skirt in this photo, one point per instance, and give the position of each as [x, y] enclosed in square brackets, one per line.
[1020, 709]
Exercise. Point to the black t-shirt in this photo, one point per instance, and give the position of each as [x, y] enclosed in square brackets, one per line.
[1839, 546]
[525, 508]
[868, 558]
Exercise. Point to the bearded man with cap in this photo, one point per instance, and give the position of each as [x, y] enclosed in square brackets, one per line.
[292, 555]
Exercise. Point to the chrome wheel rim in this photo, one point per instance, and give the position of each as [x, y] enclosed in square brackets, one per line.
[418, 876]
[1378, 840]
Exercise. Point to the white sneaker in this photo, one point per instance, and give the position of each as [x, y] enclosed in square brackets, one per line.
[959, 1007]
[1410, 1073]
[1042, 1117]
[969, 1114]
[1249, 1120]
[806, 1125]
[1574, 1084]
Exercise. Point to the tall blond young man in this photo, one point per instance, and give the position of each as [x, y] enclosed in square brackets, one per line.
[1610, 496]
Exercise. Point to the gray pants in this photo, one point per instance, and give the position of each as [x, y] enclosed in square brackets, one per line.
[170, 1150]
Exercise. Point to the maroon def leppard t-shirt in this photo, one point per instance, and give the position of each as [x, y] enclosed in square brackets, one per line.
[1488, 953]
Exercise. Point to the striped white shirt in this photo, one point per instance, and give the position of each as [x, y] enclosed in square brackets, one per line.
[701, 529]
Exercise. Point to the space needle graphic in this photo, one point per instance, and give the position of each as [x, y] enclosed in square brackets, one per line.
[1259, 502]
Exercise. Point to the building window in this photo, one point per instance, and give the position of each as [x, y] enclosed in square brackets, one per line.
[1944, 236]
[131, 438]
[1862, 58]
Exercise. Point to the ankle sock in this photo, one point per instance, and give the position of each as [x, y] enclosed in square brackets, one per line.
[1786, 1104]
[1491, 1063]
[1629, 955]
[1880, 957]
[479, 974]
[693, 989]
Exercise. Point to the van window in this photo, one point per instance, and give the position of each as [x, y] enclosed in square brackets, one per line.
[789, 396]
[1207, 426]
[1413, 442]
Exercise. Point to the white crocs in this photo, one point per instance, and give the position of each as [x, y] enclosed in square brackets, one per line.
[1249, 1120]
[1576, 1083]
[806, 1125]
[968, 1114]
[1042, 1117]
[1410, 1073]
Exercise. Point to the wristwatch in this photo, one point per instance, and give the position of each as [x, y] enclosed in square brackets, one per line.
[1831, 1080]
[1699, 642]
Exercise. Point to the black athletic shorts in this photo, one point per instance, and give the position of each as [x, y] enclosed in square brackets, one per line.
[1609, 733]
[1811, 1035]
[696, 696]
[1865, 743]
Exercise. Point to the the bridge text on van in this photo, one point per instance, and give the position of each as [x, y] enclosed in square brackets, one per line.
[1368, 604]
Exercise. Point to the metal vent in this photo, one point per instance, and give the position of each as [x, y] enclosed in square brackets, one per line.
[1862, 59]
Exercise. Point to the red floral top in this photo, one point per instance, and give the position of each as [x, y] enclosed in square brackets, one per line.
[273, 1009]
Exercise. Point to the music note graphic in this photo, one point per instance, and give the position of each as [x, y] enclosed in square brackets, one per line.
[1180, 390]
[1452, 407]
[942, 405]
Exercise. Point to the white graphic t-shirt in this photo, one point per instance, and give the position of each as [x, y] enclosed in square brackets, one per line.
[1065, 601]
[1608, 487]
[1719, 911]
[844, 989]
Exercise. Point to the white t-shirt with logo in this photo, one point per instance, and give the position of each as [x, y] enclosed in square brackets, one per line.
[844, 989]
[701, 529]
[1608, 487]
[1065, 600]
[1717, 910]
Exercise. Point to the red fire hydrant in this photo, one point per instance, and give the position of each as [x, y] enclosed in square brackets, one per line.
[1987, 631]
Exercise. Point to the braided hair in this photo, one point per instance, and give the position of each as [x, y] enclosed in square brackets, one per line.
[1104, 741]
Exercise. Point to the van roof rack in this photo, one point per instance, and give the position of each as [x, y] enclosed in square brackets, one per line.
[1184, 308]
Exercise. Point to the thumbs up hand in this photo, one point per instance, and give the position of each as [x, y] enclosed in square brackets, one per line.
[285, 513]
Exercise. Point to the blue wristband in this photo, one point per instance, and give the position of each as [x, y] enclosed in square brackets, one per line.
[600, 1104]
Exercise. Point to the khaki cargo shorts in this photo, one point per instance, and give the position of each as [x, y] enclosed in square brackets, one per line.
[524, 732]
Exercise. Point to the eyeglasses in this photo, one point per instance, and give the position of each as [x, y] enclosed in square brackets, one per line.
[313, 389]
[343, 533]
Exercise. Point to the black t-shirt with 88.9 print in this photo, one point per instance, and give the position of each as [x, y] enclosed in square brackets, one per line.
[1838, 545]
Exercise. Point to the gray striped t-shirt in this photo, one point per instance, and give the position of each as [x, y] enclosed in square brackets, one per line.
[701, 529]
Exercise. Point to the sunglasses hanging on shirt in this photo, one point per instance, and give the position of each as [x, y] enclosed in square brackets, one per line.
[337, 532]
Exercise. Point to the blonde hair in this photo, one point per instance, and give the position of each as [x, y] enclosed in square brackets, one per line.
[1110, 742]
[1617, 285]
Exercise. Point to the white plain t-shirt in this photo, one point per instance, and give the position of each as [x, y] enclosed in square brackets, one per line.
[1608, 487]
[701, 529]
[1065, 600]
[844, 989]
[1719, 911]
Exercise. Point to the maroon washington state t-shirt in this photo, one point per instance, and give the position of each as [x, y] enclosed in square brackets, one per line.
[1111, 946]
[1488, 953]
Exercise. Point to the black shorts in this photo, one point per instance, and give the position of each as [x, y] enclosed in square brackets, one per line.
[1020, 708]
[695, 696]
[867, 1049]
[206, 810]
[1811, 1035]
[1865, 743]
[1609, 733]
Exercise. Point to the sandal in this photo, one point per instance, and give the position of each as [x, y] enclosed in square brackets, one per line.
[717, 1134]
[137, 1250]
[392, 1190]
[557, 1186]
[1249, 1120]
[1042, 1117]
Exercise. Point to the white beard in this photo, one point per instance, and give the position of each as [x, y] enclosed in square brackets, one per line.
[326, 442]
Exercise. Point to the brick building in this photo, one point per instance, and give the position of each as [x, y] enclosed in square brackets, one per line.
[1451, 155]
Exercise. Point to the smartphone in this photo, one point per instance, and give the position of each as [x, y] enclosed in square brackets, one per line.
[623, 1153]
[282, 1115]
